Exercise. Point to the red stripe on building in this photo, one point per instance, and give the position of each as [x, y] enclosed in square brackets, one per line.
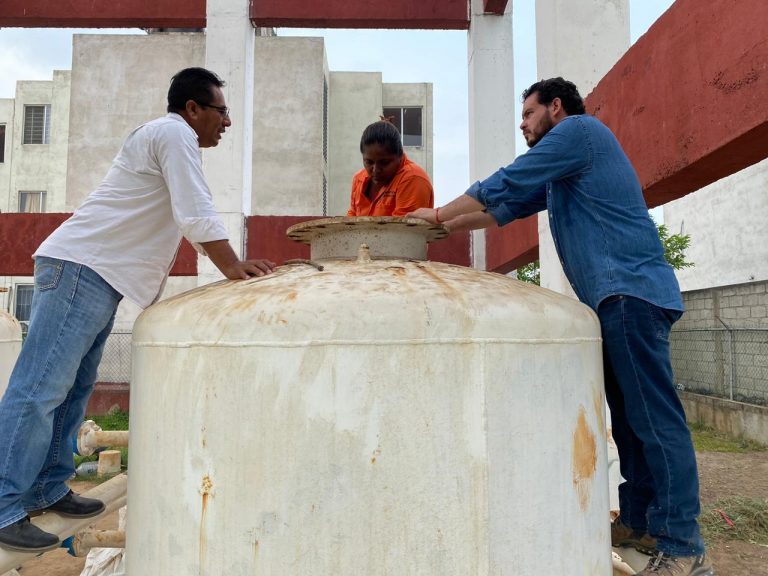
[21, 234]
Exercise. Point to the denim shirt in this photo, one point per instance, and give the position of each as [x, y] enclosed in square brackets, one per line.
[607, 243]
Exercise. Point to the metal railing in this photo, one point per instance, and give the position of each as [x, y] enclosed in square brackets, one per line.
[116, 361]
[727, 362]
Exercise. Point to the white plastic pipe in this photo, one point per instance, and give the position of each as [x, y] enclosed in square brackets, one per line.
[84, 541]
[114, 495]
[91, 436]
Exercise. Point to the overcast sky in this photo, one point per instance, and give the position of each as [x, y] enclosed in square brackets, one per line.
[439, 57]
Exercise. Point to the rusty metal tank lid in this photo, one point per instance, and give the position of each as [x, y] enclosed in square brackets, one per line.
[387, 236]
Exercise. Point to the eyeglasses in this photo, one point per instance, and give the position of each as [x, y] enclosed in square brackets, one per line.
[223, 110]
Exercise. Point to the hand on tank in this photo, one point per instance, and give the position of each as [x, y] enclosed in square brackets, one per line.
[428, 214]
[244, 269]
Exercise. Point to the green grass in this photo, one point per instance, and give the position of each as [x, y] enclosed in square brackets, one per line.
[748, 520]
[117, 420]
[706, 439]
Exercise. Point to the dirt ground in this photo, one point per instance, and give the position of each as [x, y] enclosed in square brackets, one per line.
[727, 474]
[722, 475]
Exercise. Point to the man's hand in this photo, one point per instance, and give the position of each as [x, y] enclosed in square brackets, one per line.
[225, 259]
[244, 269]
[428, 214]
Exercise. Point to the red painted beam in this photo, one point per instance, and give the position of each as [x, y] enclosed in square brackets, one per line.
[494, 6]
[21, 234]
[511, 246]
[413, 14]
[104, 14]
[687, 101]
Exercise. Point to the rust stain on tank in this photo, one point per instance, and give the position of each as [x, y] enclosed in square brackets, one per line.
[584, 458]
[206, 488]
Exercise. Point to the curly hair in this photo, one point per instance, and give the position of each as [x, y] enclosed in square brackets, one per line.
[548, 90]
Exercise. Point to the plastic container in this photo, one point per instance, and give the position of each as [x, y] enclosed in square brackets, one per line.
[368, 412]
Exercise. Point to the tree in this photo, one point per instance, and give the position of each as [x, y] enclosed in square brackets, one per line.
[675, 246]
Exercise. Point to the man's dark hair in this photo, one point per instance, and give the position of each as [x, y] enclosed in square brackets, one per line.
[192, 84]
[548, 90]
[384, 133]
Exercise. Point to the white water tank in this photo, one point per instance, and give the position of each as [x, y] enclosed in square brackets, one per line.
[10, 345]
[382, 416]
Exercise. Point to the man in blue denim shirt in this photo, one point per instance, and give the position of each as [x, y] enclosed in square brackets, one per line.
[611, 253]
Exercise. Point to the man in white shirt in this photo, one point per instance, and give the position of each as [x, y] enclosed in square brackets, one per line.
[121, 242]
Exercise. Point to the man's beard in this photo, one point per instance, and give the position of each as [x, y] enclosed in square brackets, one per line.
[546, 125]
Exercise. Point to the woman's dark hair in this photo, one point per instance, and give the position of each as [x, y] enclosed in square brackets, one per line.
[384, 133]
[548, 90]
[192, 84]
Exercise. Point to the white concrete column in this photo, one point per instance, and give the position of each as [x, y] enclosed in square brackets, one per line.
[581, 44]
[229, 52]
[492, 122]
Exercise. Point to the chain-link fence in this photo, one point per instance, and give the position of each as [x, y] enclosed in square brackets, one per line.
[726, 363]
[116, 361]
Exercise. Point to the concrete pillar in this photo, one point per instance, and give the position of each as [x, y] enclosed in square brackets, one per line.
[492, 121]
[229, 51]
[581, 45]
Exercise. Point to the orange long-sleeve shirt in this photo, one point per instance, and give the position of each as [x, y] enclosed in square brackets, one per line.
[408, 190]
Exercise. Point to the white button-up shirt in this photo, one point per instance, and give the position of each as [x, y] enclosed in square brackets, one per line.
[128, 230]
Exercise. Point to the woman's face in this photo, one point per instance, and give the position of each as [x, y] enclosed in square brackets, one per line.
[380, 163]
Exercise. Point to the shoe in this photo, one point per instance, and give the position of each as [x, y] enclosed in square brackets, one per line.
[23, 536]
[74, 506]
[622, 535]
[665, 565]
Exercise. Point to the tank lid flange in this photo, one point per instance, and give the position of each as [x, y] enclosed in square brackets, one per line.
[387, 236]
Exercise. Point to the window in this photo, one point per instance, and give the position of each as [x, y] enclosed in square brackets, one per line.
[23, 306]
[32, 202]
[37, 124]
[408, 121]
[2, 143]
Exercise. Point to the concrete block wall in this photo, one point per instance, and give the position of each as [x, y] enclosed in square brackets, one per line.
[738, 306]
[720, 345]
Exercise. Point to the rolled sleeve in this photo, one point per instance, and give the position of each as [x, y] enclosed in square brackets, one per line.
[477, 193]
[198, 230]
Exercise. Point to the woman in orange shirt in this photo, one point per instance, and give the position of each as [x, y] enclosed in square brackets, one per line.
[389, 184]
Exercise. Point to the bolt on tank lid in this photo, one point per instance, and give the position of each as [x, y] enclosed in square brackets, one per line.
[386, 237]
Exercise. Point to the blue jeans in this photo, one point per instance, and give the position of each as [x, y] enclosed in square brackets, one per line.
[73, 310]
[656, 455]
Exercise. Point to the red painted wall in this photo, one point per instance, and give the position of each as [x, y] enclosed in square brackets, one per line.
[494, 6]
[687, 101]
[104, 14]
[267, 239]
[511, 246]
[107, 395]
[414, 14]
[21, 234]
[456, 249]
